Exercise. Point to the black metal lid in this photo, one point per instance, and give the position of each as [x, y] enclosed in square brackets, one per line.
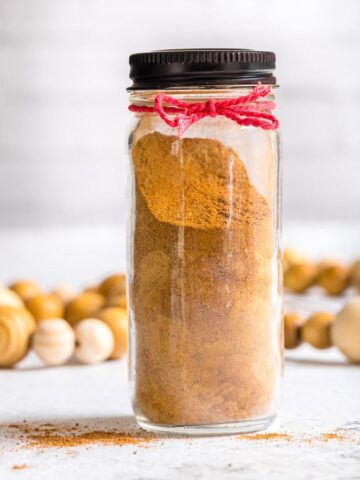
[207, 67]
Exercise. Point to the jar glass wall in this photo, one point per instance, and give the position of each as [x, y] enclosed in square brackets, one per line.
[204, 271]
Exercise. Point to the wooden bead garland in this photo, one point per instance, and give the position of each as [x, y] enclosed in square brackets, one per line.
[17, 325]
[333, 276]
[323, 330]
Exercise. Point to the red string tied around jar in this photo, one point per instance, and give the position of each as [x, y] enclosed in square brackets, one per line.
[243, 110]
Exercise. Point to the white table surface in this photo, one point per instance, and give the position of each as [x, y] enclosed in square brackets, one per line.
[321, 394]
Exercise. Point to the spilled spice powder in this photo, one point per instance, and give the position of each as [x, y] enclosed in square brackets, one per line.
[96, 437]
[206, 344]
[62, 436]
[20, 467]
[74, 435]
[325, 437]
[268, 436]
[303, 438]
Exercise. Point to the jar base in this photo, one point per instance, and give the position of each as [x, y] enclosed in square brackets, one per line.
[231, 428]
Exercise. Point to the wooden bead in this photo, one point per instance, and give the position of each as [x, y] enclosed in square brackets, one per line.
[86, 305]
[10, 298]
[317, 330]
[45, 306]
[345, 331]
[29, 320]
[25, 314]
[355, 275]
[292, 257]
[65, 294]
[54, 341]
[14, 335]
[333, 277]
[25, 289]
[91, 289]
[94, 341]
[118, 300]
[292, 329]
[116, 318]
[113, 285]
[299, 277]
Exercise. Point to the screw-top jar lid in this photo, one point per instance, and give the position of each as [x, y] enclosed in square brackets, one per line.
[206, 67]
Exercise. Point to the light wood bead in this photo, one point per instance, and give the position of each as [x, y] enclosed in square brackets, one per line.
[333, 277]
[113, 285]
[14, 335]
[94, 341]
[10, 298]
[54, 341]
[25, 289]
[65, 294]
[45, 307]
[345, 331]
[316, 331]
[292, 329]
[86, 305]
[116, 318]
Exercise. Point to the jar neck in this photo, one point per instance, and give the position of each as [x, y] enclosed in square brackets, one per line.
[197, 94]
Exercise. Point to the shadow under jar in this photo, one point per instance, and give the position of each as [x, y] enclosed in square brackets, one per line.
[205, 293]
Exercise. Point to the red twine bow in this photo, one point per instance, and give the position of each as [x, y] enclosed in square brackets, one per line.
[241, 110]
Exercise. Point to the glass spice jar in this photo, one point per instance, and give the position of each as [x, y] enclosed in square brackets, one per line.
[204, 269]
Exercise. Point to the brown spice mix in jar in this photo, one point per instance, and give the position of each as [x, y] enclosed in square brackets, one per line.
[200, 290]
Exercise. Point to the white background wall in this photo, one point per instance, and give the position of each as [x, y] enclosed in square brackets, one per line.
[63, 105]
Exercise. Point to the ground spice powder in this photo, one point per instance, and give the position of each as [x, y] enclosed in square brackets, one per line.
[50, 435]
[20, 467]
[201, 302]
[98, 437]
[271, 436]
[303, 438]
[61, 436]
